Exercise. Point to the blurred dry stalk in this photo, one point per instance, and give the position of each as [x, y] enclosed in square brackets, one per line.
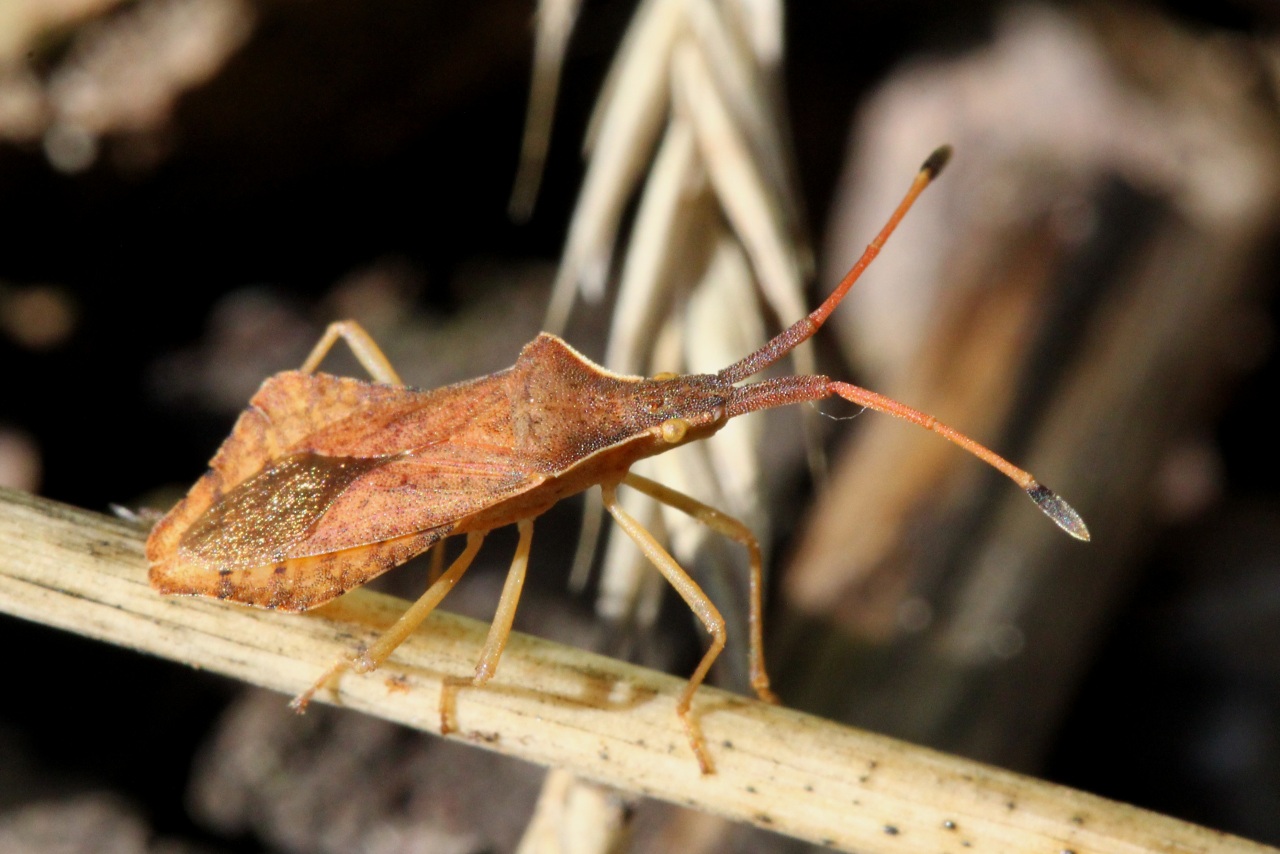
[117, 73]
[574, 816]
[24, 23]
[778, 768]
[20, 463]
[691, 110]
[552, 27]
[100, 822]
[1070, 296]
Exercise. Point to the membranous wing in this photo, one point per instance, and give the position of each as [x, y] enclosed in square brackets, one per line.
[326, 482]
[309, 504]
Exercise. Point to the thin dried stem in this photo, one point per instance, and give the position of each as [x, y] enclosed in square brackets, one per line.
[603, 719]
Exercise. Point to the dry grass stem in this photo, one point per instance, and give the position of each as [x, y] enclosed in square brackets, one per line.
[605, 720]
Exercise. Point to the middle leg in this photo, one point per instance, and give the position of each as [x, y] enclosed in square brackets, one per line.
[499, 630]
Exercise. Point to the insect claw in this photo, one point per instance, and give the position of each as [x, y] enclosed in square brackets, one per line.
[449, 704]
[300, 702]
[767, 696]
[1062, 513]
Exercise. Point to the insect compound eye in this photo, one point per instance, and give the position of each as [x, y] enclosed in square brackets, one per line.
[673, 430]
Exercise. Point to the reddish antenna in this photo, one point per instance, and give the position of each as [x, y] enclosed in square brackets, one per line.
[793, 389]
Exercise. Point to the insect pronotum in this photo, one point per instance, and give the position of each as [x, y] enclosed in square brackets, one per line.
[326, 482]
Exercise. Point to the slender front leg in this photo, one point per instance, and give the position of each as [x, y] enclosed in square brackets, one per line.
[693, 597]
[735, 530]
[401, 629]
[366, 351]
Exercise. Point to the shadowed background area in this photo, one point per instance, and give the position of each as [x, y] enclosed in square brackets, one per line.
[194, 188]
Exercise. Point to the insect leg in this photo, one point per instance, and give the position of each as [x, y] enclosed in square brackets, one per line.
[693, 597]
[735, 530]
[366, 350]
[436, 568]
[499, 632]
[400, 629]
[500, 628]
[372, 657]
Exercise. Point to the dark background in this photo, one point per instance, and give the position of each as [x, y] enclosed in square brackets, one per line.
[343, 138]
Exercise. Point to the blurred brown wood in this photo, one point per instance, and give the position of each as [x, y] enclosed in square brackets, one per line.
[1093, 251]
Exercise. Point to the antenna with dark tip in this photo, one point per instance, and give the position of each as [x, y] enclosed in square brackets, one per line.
[780, 391]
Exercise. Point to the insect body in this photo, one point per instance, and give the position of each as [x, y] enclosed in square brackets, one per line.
[327, 482]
